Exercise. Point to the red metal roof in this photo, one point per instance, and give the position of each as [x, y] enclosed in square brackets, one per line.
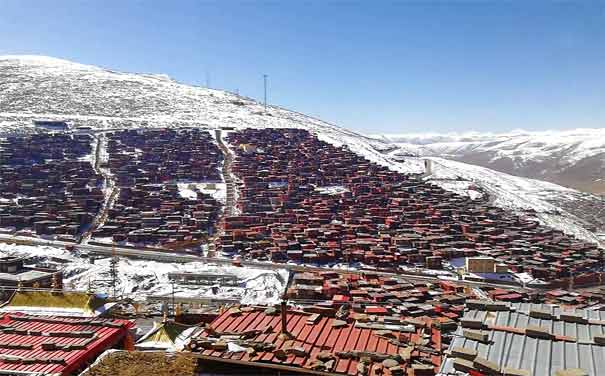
[314, 338]
[106, 334]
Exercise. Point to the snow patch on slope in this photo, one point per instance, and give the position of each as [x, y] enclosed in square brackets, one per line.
[139, 278]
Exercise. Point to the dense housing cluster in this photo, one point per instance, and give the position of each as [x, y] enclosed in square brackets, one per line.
[379, 296]
[382, 295]
[580, 299]
[139, 157]
[147, 165]
[47, 185]
[307, 201]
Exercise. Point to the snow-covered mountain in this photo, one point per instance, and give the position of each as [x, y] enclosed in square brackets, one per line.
[573, 158]
[34, 87]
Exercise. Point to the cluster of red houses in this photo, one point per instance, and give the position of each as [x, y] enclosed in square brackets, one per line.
[443, 302]
[138, 157]
[305, 200]
[300, 200]
[46, 186]
[149, 208]
[370, 294]
[157, 214]
[581, 299]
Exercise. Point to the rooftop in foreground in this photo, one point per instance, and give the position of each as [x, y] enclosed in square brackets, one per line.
[318, 344]
[51, 345]
[135, 363]
[531, 339]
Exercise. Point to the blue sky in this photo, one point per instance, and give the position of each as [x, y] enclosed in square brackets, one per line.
[391, 67]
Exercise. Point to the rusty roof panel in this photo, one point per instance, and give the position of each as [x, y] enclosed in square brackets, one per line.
[254, 327]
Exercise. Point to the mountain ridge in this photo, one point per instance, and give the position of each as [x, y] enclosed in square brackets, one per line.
[573, 158]
[40, 87]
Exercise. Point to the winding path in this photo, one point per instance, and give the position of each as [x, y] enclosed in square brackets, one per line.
[111, 192]
[227, 175]
[229, 208]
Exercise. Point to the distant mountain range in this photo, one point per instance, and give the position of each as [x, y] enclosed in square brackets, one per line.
[573, 158]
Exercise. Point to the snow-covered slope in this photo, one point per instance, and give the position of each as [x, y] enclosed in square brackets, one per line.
[552, 204]
[33, 87]
[574, 158]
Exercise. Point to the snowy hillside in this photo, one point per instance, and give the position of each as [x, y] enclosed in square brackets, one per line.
[574, 158]
[33, 87]
[39, 87]
[556, 206]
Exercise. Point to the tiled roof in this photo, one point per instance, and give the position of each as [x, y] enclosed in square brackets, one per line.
[311, 335]
[56, 346]
[568, 343]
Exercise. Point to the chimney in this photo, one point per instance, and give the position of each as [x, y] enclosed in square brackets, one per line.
[284, 320]
[284, 335]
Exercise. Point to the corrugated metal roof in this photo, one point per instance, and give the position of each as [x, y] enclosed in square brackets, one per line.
[519, 318]
[320, 336]
[540, 356]
[106, 334]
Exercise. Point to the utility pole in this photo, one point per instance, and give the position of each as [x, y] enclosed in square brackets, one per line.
[265, 81]
[173, 306]
[113, 270]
